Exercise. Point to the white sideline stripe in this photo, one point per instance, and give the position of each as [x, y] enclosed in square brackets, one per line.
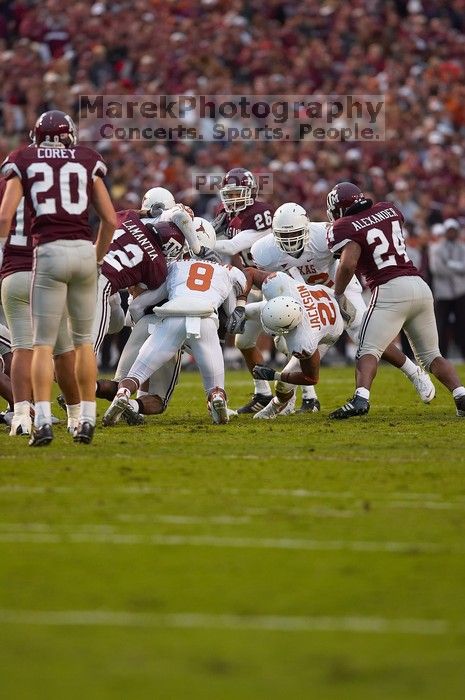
[270, 623]
[412, 500]
[96, 537]
[183, 519]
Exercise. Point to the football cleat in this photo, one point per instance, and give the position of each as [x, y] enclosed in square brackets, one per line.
[257, 402]
[217, 405]
[115, 410]
[460, 406]
[273, 409]
[21, 425]
[309, 406]
[423, 385]
[84, 433]
[132, 417]
[356, 406]
[41, 436]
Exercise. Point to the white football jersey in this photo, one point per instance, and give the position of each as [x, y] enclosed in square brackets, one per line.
[316, 264]
[209, 281]
[321, 324]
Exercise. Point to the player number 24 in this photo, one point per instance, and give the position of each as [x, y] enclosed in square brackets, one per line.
[380, 252]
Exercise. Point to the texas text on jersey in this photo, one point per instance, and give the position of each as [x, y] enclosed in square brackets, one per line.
[378, 231]
[315, 263]
[57, 184]
[17, 251]
[135, 255]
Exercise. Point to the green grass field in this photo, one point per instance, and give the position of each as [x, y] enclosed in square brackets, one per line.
[294, 559]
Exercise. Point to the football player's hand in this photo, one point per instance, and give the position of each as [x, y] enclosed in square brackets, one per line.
[184, 208]
[347, 309]
[262, 372]
[220, 222]
[236, 322]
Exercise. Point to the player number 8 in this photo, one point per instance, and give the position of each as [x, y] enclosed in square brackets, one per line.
[200, 277]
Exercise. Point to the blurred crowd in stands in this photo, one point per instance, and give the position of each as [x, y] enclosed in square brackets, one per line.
[411, 51]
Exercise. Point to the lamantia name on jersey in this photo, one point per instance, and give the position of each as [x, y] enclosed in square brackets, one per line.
[374, 218]
[141, 238]
[67, 153]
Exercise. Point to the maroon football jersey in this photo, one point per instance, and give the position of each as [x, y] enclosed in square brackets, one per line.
[378, 231]
[57, 185]
[257, 217]
[17, 251]
[135, 256]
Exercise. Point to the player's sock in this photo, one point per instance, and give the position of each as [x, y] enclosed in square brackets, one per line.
[308, 392]
[261, 386]
[88, 412]
[409, 368]
[364, 393]
[73, 411]
[460, 391]
[43, 413]
[22, 408]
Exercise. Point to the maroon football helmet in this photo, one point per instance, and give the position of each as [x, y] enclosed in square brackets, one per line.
[171, 239]
[238, 190]
[341, 198]
[54, 127]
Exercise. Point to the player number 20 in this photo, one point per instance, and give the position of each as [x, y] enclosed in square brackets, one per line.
[48, 205]
[200, 277]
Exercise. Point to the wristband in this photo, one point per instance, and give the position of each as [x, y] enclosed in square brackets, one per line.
[240, 302]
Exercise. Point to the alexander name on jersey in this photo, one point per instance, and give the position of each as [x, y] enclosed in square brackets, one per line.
[382, 215]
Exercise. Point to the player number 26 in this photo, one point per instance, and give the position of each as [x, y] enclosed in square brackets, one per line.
[263, 220]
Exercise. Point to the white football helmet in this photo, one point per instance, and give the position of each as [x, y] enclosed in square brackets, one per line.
[158, 198]
[278, 284]
[205, 232]
[281, 315]
[291, 228]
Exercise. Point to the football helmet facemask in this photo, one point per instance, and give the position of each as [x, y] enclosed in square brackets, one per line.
[291, 228]
[238, 190]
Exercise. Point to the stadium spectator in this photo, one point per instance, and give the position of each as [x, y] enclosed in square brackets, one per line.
[447, 260]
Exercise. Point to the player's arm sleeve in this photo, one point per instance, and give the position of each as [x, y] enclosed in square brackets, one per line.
[151, 297]
[241, 241]
[294, 272]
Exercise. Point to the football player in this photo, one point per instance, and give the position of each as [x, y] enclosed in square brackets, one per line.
[242, 220]
[142, 242]
[195, 290]
[160, 386]
[16, 275]
[369, 239]
[299, 246]
[310, 320]
[59, 180]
